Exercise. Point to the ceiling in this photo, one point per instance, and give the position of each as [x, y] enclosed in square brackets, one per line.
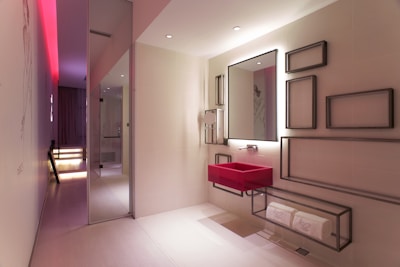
[205, 28]
[200, 28]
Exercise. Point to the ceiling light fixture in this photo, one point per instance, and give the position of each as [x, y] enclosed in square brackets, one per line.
[236, 28]
[122, 75]
[168, 36]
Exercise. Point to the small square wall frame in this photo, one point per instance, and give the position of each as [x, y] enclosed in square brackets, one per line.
[360, 110]
[339, 216]
[301, 103]
[307, 57]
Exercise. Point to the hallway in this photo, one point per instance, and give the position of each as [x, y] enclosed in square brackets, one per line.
[194, 236]
[65, 239]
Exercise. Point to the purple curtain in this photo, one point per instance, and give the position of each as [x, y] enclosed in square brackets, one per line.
[71, 116]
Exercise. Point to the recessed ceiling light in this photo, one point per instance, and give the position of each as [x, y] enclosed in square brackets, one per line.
[258, 63]
[236, 28]
[122, 75]
[168, 36]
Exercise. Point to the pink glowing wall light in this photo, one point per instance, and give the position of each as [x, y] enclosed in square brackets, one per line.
[48, 18]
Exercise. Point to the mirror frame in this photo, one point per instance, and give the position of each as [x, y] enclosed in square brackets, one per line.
[229, 113]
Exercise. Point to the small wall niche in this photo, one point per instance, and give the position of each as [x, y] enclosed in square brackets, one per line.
[214, 126]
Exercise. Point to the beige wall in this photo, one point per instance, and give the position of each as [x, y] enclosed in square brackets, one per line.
[25, 131]
[170, 155]
[363, 54]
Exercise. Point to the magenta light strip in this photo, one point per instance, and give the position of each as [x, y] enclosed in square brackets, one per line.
[48, 17]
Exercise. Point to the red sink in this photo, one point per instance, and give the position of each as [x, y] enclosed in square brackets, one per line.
[240, 176]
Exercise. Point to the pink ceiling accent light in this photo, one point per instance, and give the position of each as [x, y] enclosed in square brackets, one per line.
[48, 18]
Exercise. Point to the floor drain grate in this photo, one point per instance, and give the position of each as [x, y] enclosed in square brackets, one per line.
[302, 251]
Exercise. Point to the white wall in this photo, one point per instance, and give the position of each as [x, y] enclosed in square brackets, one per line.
[170, 155]
[363, 54]
[25, 130]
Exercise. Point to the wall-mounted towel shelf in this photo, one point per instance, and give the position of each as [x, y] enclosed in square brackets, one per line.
[324, 222]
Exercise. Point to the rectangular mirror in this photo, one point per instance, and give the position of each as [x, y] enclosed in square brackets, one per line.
[109, 176]
[252, 98]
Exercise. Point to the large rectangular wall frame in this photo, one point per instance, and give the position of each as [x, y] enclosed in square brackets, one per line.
[368, 156]
[361, 110]
[301, 103]
[308, 57]
[340, 216]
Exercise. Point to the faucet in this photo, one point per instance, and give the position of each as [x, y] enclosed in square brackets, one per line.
[249, 147]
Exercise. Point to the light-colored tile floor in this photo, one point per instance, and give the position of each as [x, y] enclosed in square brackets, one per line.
[202, 235]
[65, 240]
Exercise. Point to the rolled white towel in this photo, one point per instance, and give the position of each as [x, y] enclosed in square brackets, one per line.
[312, 225]
[280, 213]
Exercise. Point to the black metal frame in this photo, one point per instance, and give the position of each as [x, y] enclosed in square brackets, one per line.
[324, 56]
[269, 191]
[229, 159]
[218, 155]
[53, 165]
[390, 109]
[313, 79]
[240, 193]
[348, 190]
[217, 161]
[219, 89]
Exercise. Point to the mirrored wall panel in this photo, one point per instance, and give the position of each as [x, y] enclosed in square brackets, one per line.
[109, 179]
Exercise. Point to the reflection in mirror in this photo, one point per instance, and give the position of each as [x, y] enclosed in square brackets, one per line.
[109, 195]
[252, 98]
[109, 192]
